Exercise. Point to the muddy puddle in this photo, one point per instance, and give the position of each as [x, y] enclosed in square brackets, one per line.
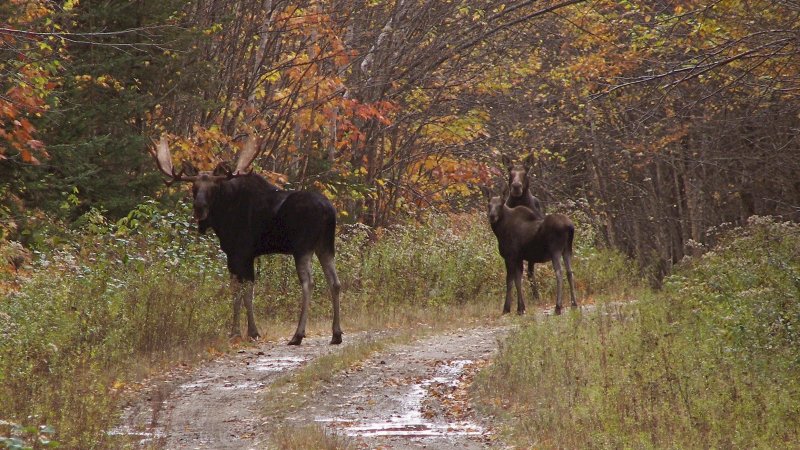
[411, 419]
[409, 396]
[412, 396]
[215, 406]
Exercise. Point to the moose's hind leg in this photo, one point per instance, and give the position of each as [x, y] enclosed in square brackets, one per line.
[303, 265]
[568, 267]
[518, 286]
[559, 282]
[532, 278]
[328, 262]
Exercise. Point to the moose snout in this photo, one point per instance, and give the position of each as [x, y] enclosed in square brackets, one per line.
[200, 212]
[516, 189]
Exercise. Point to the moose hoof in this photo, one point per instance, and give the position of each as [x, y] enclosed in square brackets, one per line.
[296, 340]
[336, 339]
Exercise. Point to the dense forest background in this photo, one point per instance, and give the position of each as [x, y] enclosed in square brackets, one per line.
[660, 120]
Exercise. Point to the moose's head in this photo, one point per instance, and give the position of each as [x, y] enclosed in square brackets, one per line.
[205, 184]
[495, 202]
[518, 175]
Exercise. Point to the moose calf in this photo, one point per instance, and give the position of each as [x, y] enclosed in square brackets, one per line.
[519, 193]
[523, 236]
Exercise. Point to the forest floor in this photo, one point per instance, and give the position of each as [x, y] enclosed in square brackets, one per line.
[409, 394]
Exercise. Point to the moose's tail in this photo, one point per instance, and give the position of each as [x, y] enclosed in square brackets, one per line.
[329, 234]
[570, 237]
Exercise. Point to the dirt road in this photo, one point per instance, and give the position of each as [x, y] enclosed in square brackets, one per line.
[408, 396]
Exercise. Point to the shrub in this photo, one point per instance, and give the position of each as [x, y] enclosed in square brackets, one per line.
[712, 361]
[98, 302]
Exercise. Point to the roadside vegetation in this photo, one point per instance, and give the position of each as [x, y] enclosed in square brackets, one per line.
[99, 305]
[308, 436]
[711, 361]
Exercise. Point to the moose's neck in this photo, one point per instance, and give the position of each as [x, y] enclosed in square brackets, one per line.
[522, 200]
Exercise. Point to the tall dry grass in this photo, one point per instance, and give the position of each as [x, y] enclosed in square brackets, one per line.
[712, 361]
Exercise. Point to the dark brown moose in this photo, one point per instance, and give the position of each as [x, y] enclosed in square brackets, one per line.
[523, 236]
[252, 217]
[519, 186]
[520, 195]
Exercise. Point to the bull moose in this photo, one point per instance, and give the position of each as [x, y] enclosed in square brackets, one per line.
[252, 217]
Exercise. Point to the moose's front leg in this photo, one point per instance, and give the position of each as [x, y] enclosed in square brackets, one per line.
[248, 292]
[512, 269]
[243, 286]
[236, 290]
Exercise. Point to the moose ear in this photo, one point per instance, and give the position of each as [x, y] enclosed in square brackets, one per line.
[504, 189]
[486, 191]
[507, 162]
[189, 169]
[527, 163]
[222, 169]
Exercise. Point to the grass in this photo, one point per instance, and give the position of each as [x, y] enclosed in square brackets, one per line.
[292, 391]
[712, 361]
[308, 437]
[107, 304]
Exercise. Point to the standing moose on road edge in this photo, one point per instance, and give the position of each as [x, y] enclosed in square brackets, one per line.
[520, 195]
[523, 236]
[252, 217]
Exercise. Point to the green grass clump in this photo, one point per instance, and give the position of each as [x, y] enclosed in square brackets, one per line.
[306, 437]
[101, 309]
[710, 362]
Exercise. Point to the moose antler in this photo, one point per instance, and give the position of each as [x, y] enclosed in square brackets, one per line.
[164, 162]
[247, 156]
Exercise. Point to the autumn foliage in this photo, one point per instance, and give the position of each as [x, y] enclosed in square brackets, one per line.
[661, 119]
[28, 75]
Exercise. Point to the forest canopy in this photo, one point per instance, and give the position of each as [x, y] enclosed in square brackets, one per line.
[659, 119]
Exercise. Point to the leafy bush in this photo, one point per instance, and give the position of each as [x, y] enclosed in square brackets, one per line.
[712, 361]
[14, 436]
[749, 287]
[144, 288]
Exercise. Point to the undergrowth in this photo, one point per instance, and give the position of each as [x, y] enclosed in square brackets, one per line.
[712, 361]
[309, 437]
[102, 304]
